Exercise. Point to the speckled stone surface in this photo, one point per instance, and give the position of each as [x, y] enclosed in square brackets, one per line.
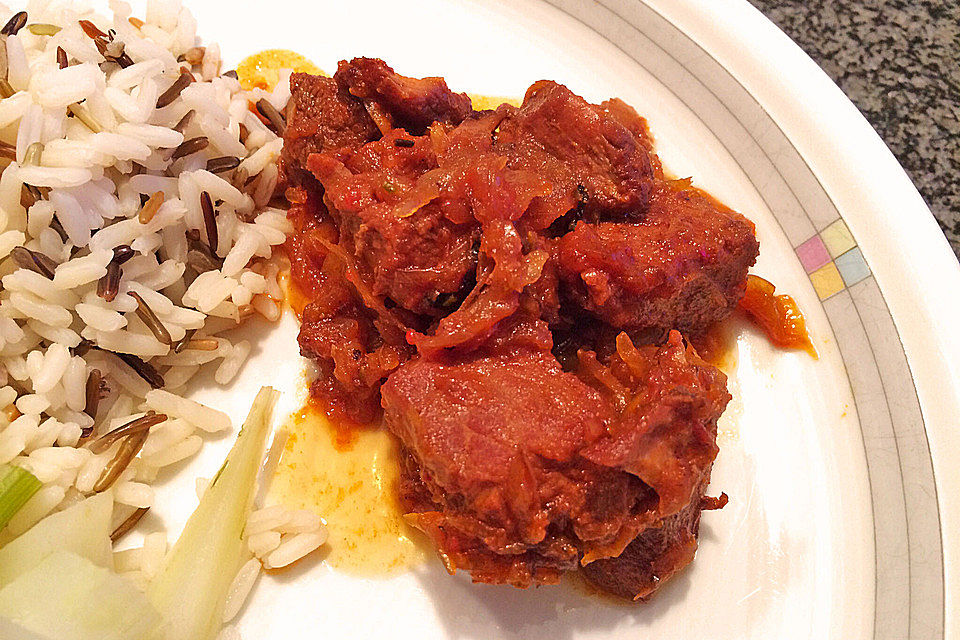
[899, 62]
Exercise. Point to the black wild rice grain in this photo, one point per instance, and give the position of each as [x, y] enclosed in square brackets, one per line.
[109, 285]
[150, 319]
[93, 388]
[143, 369]
[189, 147]
[219, 165]
[184, 121]
[14, 24]
[129, 523]
[199, 251]
[173, 92]
[128, 450]
[184, 341]
[209, 220]
[137, 425]
[123, 253]
[34, 261]
[268, 111]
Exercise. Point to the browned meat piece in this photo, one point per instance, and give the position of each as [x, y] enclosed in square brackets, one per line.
[670, 400]
[444, 252]
[495, 444]
[322, 116]
[593, 161]
[517, 469]
[683, 267]
[635, 123]
[411, 103]
[406, 249]
[653, 556]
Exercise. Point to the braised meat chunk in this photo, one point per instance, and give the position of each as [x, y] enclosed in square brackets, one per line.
[321, 116]
[519, 470]
[684, 266]
[508, 290]
[496, 490]
[593, 162]
[398, 101]
[653, 556]
[405, 246]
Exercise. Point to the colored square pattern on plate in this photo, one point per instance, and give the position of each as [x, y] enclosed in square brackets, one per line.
[852, 266]
[837, 238]
[813, 254]
[832, 259]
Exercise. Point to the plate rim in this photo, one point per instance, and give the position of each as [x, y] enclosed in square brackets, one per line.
[864, 179]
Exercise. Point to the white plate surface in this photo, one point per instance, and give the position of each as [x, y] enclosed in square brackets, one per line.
[838, 470]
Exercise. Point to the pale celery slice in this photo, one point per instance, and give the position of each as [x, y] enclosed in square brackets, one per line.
[83, 529]
[17, 485]
[68, 597]
[191, 588]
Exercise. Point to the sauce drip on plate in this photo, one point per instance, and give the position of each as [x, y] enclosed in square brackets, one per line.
[262, 70]
[348, 477]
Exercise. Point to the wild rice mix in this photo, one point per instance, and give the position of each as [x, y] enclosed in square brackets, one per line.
[136, 230]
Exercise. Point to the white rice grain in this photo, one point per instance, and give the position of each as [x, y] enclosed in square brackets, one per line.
[80, 271]
[55, 365]
[53, 177]
[199, 415]
[9, 240]
[302, 521]
[63, 457]
[293, 549]
[90, 471]
[100, 318]
[240, 589]
[175, 453]
[69, 435]
[30, 307]
[230, 366]
[151, 135]
[263, 543]
[154, 550]
[123, 341]
[134, 494]
[266, 519]
[32, 403]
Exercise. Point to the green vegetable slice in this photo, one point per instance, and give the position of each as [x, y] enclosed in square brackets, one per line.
[67, 597]
[83, 529]
[17, 485]
[191, 588]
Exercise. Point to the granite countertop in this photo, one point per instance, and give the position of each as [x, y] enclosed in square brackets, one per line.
[899, 62]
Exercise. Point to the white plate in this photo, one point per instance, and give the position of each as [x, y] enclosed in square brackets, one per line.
[842, 473]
